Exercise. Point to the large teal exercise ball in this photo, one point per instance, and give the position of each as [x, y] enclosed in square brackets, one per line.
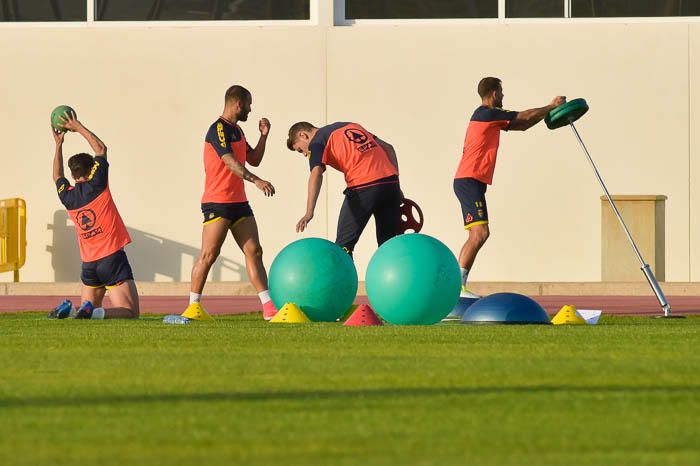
[413, 279]
[316, 275]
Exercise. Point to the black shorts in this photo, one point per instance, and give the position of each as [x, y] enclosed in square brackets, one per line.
[107, 272]
[381, 200]
[233, 211]
[472, 197]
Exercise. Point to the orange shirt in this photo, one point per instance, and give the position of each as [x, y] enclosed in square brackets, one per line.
[481, 143]
[352, 150]
[97, 222]
[221, 185]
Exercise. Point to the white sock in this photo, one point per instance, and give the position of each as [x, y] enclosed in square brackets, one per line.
[195, 297]
[465, 272]
[264, 296]
[98, 313]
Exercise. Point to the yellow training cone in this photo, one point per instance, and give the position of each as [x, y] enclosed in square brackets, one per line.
[290, 314]
[567, 315]
[195, 311]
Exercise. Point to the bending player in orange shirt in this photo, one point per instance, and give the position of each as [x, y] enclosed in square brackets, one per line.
[478, 163]
[224, 203]
[100, 229]
[371, 172]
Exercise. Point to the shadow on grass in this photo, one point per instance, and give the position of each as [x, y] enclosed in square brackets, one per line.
[321, 395]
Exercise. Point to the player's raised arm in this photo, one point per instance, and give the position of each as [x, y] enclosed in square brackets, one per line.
[58, 154]
[71, 123]
[255, 156]
[239, 170]
[529, 118]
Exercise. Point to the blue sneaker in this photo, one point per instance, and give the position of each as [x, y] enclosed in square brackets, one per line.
[61, 311]
[85, 311]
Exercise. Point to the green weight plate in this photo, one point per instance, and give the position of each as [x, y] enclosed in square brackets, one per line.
[564, 110]
[566, 113]
[568, 110]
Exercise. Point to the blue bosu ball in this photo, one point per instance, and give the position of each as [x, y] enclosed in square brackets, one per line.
[506, 308]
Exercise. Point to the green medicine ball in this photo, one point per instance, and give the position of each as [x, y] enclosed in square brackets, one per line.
[56, 115]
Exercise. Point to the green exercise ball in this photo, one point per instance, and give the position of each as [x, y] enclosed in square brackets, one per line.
[316, 275]
[413, 279]
[58, 112]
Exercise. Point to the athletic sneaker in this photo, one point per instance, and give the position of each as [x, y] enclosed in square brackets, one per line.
[62, 311]
[269, 310]
[85, 311]
[468, 294]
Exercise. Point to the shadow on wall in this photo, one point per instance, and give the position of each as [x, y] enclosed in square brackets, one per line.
[151, 256]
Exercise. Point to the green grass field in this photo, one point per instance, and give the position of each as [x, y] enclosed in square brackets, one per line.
[240, 391]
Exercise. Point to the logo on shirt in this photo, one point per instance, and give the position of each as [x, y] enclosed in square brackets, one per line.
[356, 136]
[92, 233]
[469, 219]
[85, 219]
[220, 133]
[94, 168]
[60, 190]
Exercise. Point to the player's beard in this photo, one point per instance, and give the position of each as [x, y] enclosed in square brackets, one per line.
[243, 116]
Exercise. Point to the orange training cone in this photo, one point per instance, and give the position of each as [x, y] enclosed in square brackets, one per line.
[363, 315]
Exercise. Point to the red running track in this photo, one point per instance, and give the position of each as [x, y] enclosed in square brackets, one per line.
[619, 305]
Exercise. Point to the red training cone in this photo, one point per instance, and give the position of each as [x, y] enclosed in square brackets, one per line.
[363, 315]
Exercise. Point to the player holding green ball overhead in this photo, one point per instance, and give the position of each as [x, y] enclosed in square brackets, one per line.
[98, 225]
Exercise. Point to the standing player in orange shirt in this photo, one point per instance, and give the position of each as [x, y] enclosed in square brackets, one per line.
[224, 203]
[478, 163]
[100, 229]
[371, 172]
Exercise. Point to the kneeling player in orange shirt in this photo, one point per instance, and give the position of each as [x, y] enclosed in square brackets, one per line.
[100, 229]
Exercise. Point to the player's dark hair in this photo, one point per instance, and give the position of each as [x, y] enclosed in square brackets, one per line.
[80, 165]
[238, 93]
[487, 86]
[296, 128]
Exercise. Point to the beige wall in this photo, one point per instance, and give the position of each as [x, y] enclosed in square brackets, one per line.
[152, 93]
[694, 150]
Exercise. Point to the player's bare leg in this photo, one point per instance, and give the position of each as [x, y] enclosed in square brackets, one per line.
[478, 234]
[213, 236]
[246, 235]
[124, 297]
[125, 301]
[92, 294]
